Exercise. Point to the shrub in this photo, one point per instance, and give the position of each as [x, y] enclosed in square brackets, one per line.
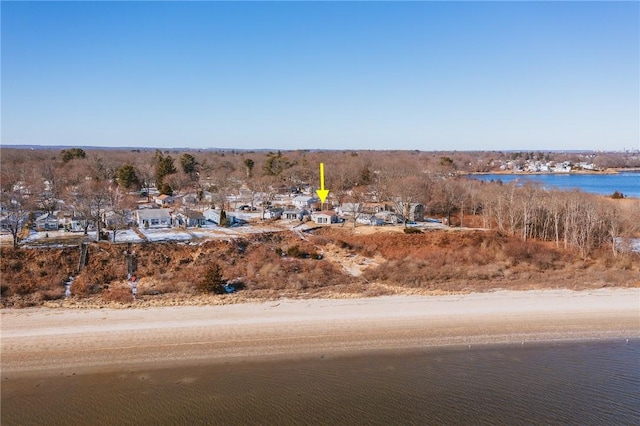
[24, 286]
[83, 285]
[118, 293]
[15, 266]
[53, 294]
[212, 280]
[224, 220]
[300, 253]
[412, 231]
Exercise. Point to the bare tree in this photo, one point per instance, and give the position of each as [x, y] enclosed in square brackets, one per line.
[121, 206]
[406, 193]
[15, 208]
[263, 186]
[447, 195]
[180, 181]
[91, 199]
[527, 196]
[145, 170]
[356, 199]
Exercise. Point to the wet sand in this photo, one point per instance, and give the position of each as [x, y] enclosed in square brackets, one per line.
[44, 341]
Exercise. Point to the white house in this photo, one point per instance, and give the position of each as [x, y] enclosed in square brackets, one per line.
[214, 216]
[189, 219]
[387, 218]
[351, 209]
[273, 213]
[153, 218]
[47, 222]
[294, 214]
[324, 217]
[305, 201]
[370, 219]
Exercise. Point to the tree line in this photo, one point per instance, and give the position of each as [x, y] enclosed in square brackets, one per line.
[94, 180]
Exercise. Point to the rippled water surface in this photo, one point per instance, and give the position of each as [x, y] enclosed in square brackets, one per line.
[559, 383]
[628, 183]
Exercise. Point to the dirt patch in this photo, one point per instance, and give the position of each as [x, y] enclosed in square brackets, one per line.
[352, 263]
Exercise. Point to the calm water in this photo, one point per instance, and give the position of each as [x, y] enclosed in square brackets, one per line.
[627, 183]
[595, 383]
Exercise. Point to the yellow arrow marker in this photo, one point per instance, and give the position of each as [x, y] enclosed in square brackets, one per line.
[322, 193]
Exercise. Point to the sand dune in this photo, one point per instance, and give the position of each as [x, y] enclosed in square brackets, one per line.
[59, 341]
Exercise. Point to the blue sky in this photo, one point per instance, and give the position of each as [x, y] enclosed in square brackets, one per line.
[322, 75]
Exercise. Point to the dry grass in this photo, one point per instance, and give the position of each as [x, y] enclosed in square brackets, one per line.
[279, 265]
[120, 293]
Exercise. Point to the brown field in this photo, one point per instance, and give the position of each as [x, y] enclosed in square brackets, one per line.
[336, 262]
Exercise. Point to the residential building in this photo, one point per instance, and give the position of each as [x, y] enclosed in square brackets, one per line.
[153, 218]
[324, 217]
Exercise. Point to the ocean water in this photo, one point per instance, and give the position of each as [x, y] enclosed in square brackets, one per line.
[581, 383]
[628, 183]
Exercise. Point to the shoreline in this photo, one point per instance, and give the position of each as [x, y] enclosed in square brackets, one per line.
[607, 171]
[53, 341]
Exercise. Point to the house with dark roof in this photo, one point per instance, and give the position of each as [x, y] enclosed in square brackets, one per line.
[189, 219]
[47, 222]
[294, 214]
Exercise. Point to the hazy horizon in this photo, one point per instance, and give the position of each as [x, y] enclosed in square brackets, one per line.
[273, 149]
[429, 76]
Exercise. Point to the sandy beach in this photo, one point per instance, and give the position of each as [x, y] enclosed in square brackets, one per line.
[56, 341]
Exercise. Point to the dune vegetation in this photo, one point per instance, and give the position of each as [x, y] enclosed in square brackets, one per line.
[327, 262]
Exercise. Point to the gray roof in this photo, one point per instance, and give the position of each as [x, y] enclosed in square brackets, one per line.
[146, 214]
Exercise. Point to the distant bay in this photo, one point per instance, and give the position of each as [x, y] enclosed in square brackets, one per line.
[627, 183]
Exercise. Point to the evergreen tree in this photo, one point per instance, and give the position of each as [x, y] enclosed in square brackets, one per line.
[72, 153]
[127, 177]
[188, 163]
[276, 164]
[212, 281]
[365, 176]
[163, 166]
[166, 189]
[224, 220]
[249, 163]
